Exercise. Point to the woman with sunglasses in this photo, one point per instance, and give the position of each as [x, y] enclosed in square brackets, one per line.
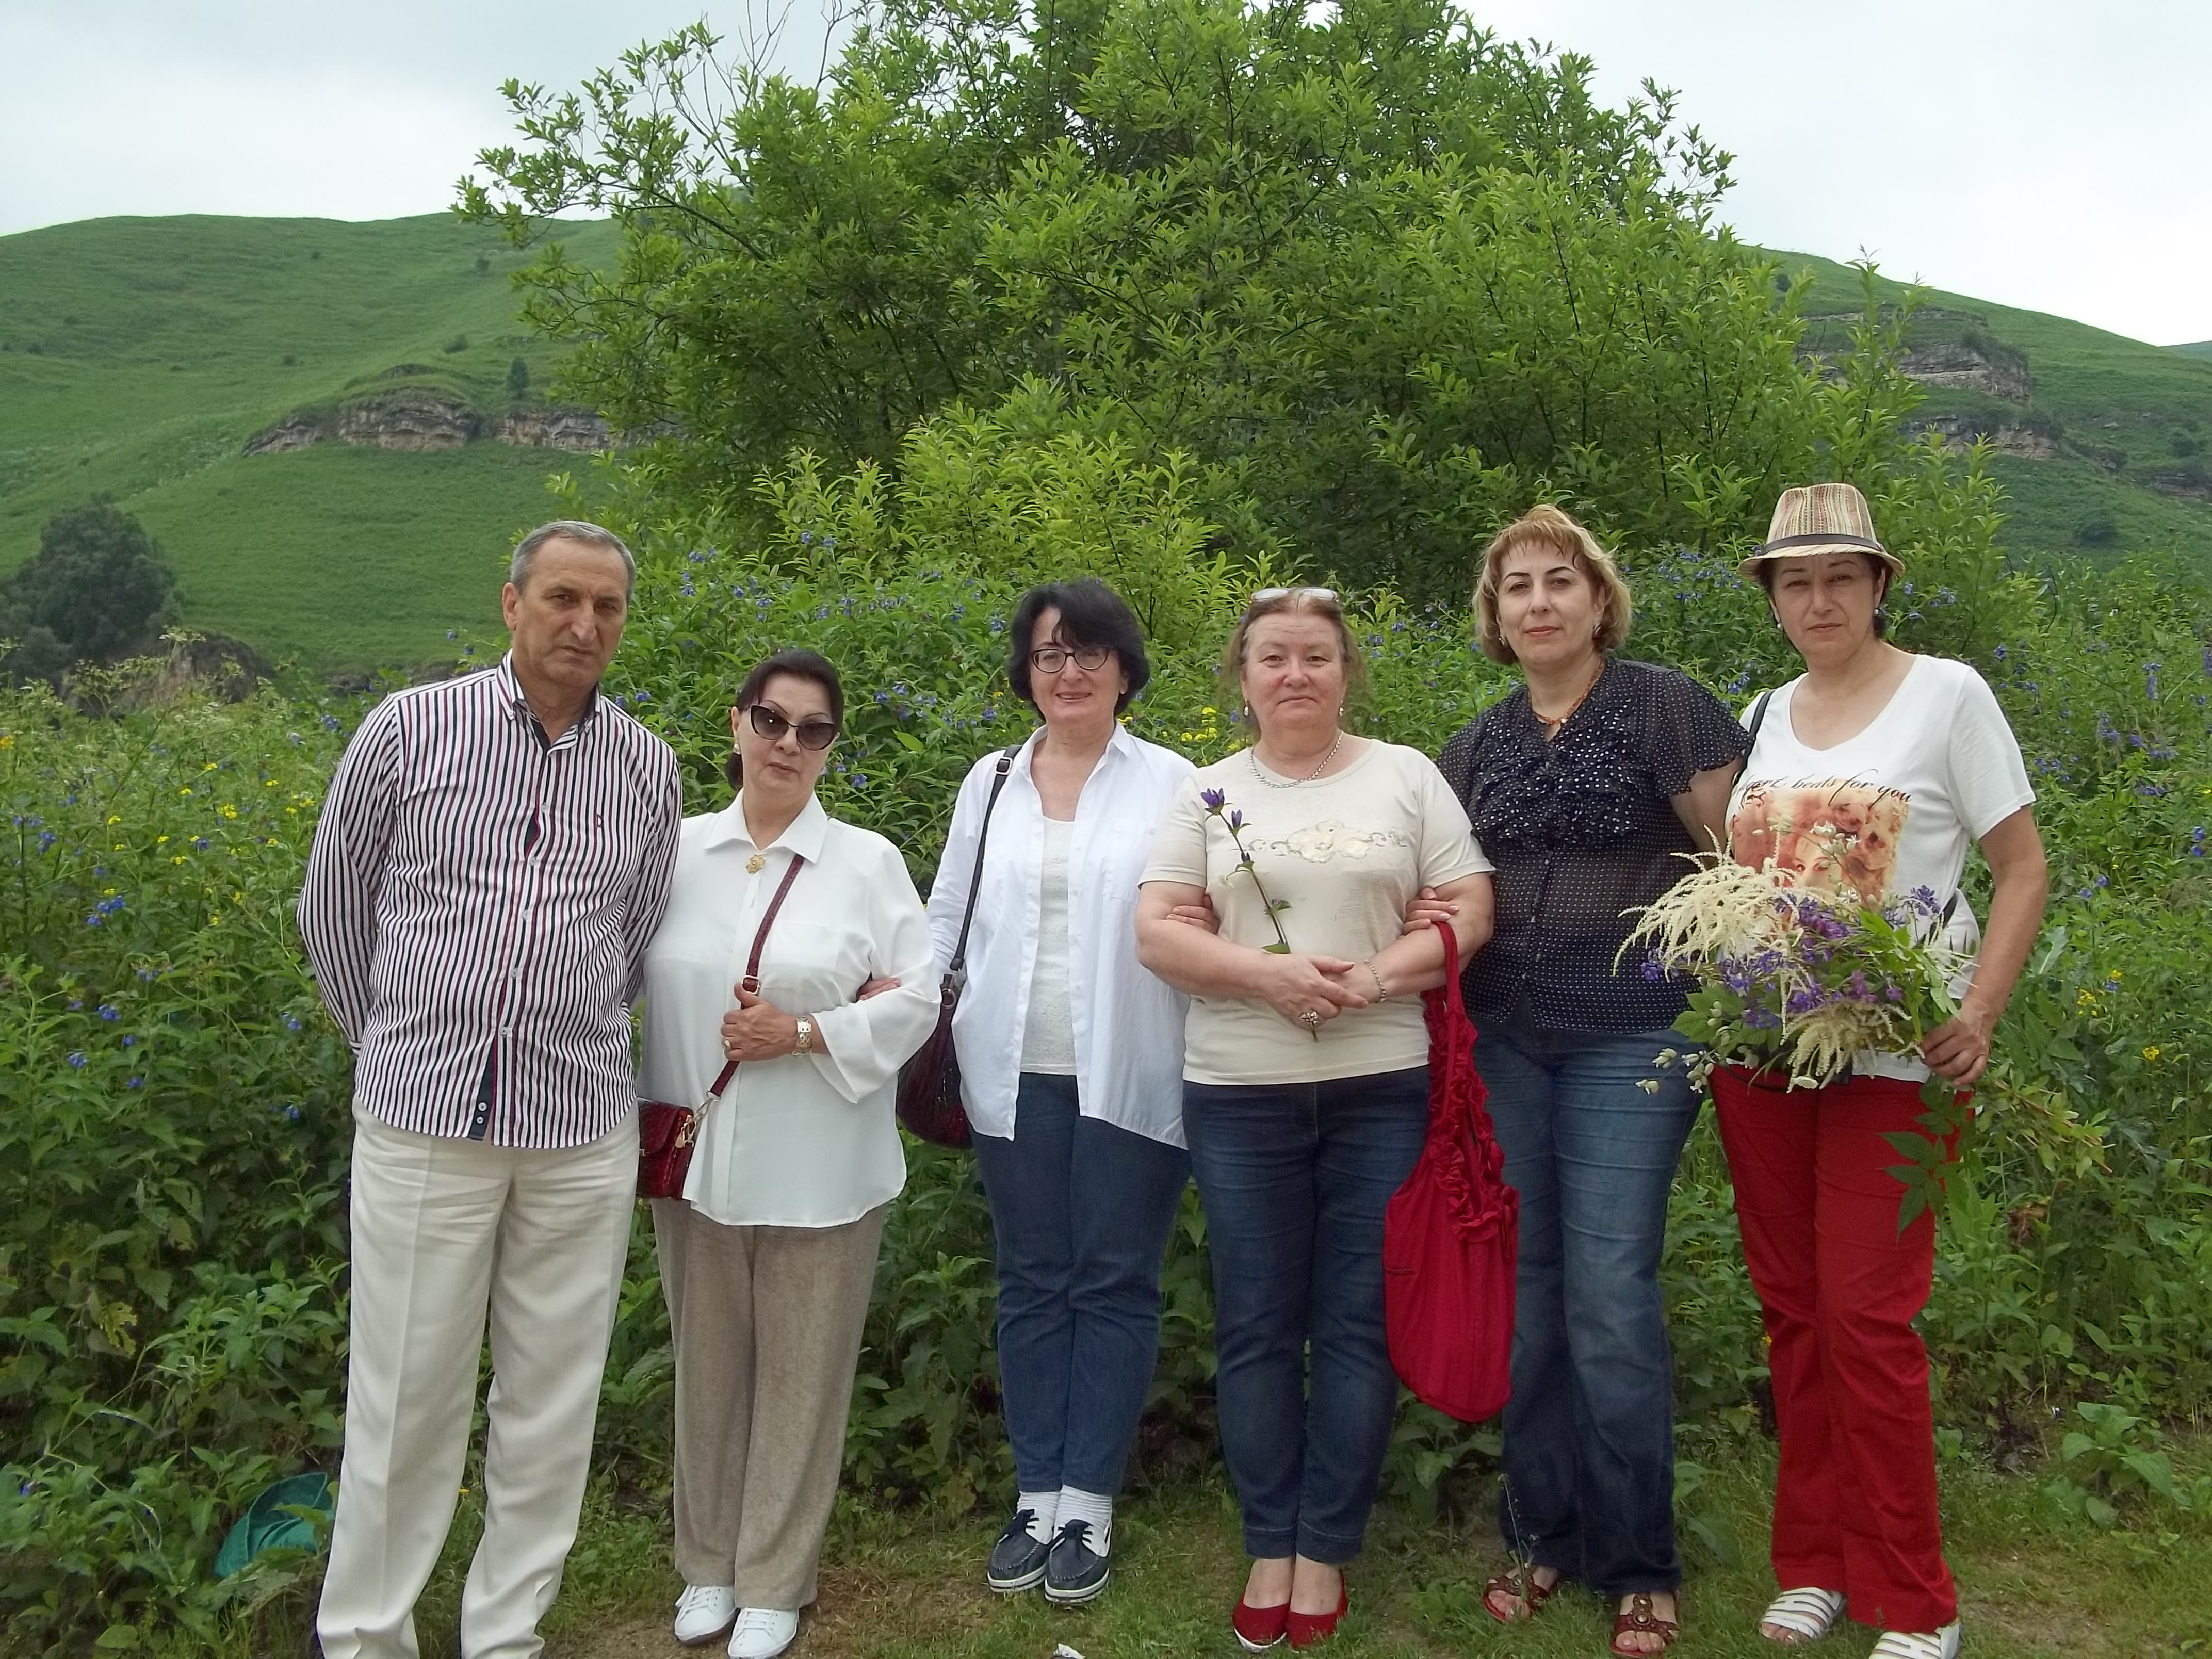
[768, 1259]
[1070, 1070]
[1305, 1092]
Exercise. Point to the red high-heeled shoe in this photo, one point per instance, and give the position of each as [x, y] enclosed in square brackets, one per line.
[1307, 1629]
[1258, 1629]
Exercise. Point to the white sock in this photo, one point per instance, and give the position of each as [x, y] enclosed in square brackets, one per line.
[1096, 1508]
[1044, 1513]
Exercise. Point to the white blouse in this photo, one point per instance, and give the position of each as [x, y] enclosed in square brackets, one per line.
[1128, 1024]
[806, 1140]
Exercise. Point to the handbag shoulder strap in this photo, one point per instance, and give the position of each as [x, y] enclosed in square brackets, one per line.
[752, 962]
[959, 962]
[1759, 713]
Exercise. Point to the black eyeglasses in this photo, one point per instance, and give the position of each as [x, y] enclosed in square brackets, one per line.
[771, 724]
[1051, 658]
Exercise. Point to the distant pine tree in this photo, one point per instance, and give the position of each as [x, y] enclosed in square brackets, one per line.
[518, 378]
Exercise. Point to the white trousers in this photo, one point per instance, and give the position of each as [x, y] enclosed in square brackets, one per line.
[444, 1230]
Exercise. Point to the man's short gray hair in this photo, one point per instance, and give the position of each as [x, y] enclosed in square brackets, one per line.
[573, 529]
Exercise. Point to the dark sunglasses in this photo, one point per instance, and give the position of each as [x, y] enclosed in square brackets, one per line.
[812, 734]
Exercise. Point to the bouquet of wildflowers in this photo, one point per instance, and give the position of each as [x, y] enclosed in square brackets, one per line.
[1795, 979]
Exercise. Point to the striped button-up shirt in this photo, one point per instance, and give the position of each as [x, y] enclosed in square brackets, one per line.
[477, 904]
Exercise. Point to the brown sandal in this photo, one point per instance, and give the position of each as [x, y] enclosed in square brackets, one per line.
[1522, 1584]
[1640, 1620]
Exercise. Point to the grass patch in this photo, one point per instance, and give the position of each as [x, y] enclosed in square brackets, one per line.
[910, 1586]
[349, 558]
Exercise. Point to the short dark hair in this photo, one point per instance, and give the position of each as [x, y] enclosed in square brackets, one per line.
[1765, 570]
[1090, 613]
[799, 662]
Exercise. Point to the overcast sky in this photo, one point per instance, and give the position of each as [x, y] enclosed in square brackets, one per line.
[2049, 154]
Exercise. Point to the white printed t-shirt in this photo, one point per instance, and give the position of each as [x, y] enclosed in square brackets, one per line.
[1347, 853]
[1933, 773]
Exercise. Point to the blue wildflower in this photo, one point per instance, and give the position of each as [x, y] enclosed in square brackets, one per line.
[76, 1059]
[134, 1082]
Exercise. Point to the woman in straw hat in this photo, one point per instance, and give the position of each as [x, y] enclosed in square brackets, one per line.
[1587, 784]
[1873, 771]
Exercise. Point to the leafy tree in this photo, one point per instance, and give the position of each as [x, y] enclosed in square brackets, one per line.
[1373, 277]
[97, 589]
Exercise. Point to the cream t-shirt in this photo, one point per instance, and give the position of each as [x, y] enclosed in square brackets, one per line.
[1347, 855]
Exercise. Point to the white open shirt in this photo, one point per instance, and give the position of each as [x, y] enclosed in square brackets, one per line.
[806, 1141]
[1129, 1024]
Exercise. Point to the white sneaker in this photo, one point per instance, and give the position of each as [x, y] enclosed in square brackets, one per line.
[1904, 1645]
[704, 1611]
[762, 1632]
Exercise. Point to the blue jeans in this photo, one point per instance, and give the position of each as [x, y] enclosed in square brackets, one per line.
[1589, 1431]
[1294, 1178]
[1081, 1210]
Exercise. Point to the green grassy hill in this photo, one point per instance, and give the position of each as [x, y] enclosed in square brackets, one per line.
[2105, 443]
[137, 356]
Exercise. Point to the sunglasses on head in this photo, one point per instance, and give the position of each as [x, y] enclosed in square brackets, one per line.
[1269, 595]
[772, 725]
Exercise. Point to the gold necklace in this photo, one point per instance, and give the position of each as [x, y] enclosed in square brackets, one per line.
[1292, 783]
[1554, 725]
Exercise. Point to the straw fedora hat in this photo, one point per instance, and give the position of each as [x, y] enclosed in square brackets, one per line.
[1822, 518]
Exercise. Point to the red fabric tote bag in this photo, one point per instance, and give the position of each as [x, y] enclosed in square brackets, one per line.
[1451, 1236]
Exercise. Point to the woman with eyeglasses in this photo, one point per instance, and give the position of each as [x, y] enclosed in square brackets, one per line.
[1305, 1092]
[1070, 1070]
[767, 1258]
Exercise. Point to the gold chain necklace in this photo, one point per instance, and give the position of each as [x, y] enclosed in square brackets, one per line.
[1553, 726]
[1292, 783]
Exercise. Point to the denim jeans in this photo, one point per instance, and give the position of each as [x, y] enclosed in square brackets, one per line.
[1589, 1431]
[1294, 1178]
[1081, 1210]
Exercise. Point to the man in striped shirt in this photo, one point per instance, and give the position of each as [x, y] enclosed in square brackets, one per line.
[493, 857]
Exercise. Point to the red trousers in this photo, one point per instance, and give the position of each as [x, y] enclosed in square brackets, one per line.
[1838, 1287]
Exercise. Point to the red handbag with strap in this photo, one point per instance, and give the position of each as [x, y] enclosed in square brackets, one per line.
[666, 1133]
[1451, 1234]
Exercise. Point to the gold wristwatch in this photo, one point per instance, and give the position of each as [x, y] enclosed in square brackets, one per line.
[805, 1036]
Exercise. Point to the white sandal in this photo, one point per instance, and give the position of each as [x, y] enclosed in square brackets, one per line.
[1908, 1644]
[1808, 1614]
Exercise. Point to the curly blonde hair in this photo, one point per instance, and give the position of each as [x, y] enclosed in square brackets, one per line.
[1546, 526]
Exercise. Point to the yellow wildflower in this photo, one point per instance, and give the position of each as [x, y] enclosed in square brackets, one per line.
[228, 810]
[2151, 1053]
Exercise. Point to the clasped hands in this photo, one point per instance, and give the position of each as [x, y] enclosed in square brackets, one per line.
[757, 1030]
[1307, 991]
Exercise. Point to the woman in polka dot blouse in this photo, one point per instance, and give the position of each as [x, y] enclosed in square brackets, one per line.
[1584, 785]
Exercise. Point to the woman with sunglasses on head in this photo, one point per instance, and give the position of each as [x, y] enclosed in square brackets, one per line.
[1071, 1069]
[1305, 1092]
[767, 1258]
[1589, 783]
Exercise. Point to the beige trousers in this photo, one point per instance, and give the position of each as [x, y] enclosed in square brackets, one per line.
[446, 1233]
[767, 1324]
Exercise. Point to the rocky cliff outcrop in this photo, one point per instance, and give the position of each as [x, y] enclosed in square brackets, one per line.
[2032, 441]
[1968, 366]
[420, 419]
[577, 430]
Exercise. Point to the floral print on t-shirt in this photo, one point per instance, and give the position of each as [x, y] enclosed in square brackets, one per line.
[1826, 834]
